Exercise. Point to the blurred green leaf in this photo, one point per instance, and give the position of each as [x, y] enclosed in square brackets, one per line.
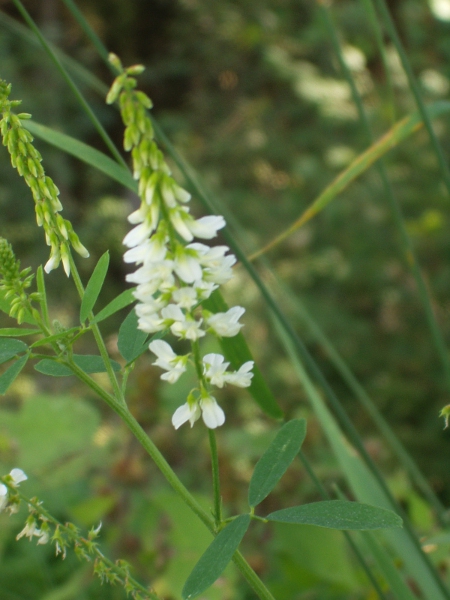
[11, 373]
[17, 331]
[132, 341]
[88, 363]
[94, 287]
[55, 337]
[216, 557]
[338, 514]
[124, 299]
[237, 352]
[10, 348]
[276, 459]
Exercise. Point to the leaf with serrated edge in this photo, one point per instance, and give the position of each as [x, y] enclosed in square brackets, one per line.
[131, 339]
[11, 373]
[10, 348]
[124, 299]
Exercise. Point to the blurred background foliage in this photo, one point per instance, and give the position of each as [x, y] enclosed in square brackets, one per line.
[251, 94]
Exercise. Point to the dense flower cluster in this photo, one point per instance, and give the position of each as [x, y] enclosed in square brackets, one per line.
[59, 233]
[175, 273]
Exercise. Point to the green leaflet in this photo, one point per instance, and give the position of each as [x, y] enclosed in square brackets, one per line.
[10, 348]
[132, 341]
[94, 287]
[11, 373]
[338, 514]
[88, 363]
[276, 459]
[215, 558]
[121, 301]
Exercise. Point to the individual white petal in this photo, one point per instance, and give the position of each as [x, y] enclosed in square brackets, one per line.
[242, 377]
[151, 323]
[226, 324]
[206, 228]
[185, 413]
[187, 267]
[3, 496]
[163, 350]
[181, 221]
[138, 234]
[138, 216]
[18, 476]
[213, 416]
[204, 289]
[53, 261]
[172, 313]
[174, 374]
[144, 292]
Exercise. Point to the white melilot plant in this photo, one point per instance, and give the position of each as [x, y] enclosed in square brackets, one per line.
[175, 273]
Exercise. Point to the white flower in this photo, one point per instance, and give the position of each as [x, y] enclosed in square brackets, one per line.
[53, 261]
[206, 228]
[149, 250]
[3, 496]
[226, 324]
[213, 416]
[189, 329]
[242, 377]
[185, 297]
[214, 369]
[169, 361]
[138, 234]
[151, 323]
[186, 264]
[187, 412]
[18, 476]
[29, 530]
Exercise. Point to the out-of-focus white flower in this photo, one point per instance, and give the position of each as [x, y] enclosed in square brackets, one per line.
[29, 530]
[18, 476]
[242, 377]
[212, 415]
[226, 324]
[3, 496]
[169, 361]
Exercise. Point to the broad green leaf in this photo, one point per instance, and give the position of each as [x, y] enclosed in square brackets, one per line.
[124, 299]
[94, 287]
[17, 331]
[237, 352]
[131, 340]
[215, 558]
[338, 514]
[56, 337]
[83, 152]
[89, 364]
[276, 459]
[10, 348]
[11, 373]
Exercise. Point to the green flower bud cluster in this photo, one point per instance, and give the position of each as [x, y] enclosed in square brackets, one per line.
[59, 233]
[14, 282]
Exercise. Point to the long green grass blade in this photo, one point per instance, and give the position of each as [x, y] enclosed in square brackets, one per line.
[98, 126]
[366, 488]
[414, 87]
[407, 246]
[77, 69]
[83, 152]
[397, 134]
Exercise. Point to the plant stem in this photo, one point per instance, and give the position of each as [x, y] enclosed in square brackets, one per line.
[215, 476]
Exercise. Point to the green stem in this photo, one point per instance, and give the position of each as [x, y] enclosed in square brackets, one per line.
[97, 334]
[215, 477]
[251, 577]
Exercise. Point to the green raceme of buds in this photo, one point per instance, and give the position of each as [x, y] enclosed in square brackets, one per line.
[26, 159]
